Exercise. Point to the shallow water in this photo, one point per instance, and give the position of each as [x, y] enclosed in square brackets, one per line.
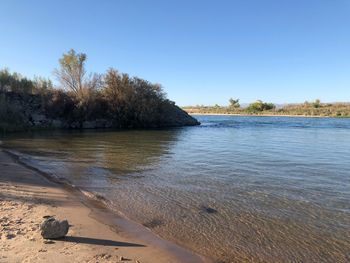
[238, 189]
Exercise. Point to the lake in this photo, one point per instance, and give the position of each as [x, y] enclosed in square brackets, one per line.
[237, 189]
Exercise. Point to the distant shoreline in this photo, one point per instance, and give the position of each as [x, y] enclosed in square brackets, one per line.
[262, 115]
[307, 109]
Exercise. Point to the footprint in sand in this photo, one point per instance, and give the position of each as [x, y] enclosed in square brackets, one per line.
[10, 235]
[103, 257]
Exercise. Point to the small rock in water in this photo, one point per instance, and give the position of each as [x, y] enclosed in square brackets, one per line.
[52, 228]
[209, 210]
[154, 223]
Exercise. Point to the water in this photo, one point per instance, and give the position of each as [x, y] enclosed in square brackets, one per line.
[237, 189]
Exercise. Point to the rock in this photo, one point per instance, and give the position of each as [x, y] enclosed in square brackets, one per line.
[52, 228]
[57, 124]
[104, 123]
[75, 125]
[208, 209]
[38, 118]
[89, 124]
[9, 236]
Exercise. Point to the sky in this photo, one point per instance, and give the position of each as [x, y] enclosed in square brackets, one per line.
[202, 52]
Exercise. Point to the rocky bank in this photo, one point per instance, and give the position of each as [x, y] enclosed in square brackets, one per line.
[29, 111]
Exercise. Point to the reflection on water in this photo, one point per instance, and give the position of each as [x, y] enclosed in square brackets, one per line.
[268, 189]
[94, 156]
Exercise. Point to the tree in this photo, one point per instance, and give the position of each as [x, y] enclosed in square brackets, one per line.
[5, 79]
[42, 84]
[72, 72]
[72, 76]
[316, 103]
[15, 82]
[260, 106]
[234, 103]
[132, 101]
[117, 88]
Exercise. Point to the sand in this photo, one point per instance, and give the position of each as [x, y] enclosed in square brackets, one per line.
[26, 197]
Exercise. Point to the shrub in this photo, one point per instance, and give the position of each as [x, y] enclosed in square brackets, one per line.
[260, 106]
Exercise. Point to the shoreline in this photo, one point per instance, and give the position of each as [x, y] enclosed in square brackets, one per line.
[98, 234]
[262, 115]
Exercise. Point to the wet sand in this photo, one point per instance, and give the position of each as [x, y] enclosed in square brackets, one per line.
[95, 235]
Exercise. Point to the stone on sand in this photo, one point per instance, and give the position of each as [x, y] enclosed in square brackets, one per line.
[52, 228]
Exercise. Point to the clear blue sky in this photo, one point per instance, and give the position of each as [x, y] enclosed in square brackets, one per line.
[203, 52]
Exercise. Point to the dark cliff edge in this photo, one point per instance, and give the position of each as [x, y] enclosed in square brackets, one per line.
[21, 112]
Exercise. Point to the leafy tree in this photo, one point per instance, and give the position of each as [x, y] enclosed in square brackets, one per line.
[316, 103]
[117, 91]
[72, 71]
[132, 101]
[5, 79]
[72, 76]
[234, 103]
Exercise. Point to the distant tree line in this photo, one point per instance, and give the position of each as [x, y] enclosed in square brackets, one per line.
[15, 82]
[259, 107]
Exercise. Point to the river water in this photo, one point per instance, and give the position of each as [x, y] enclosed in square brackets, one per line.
[236, 189]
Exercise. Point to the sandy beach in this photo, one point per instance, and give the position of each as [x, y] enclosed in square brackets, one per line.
[26, 197]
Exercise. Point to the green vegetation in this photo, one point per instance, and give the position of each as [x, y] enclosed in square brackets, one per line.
[260, 106]
[316, 108]
[15, 82]
[234, 104]
[81, 100]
